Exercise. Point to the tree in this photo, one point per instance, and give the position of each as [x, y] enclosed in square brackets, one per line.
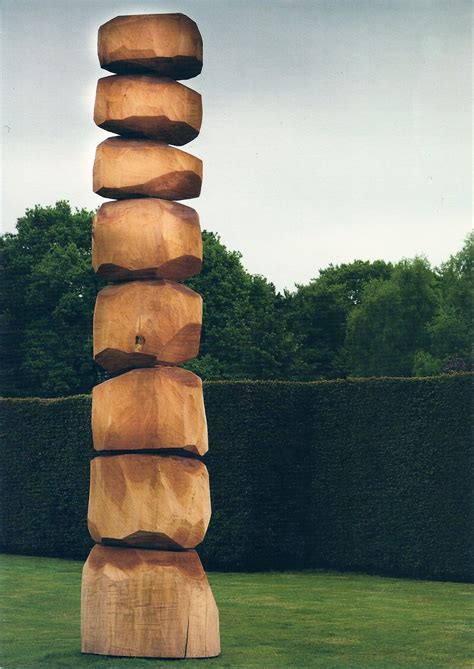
[361, 318]
[243, 331]
[452, 327]
[355, 276]
[389, 326]
[47, 303]
[318, 313]
[224, 285]
[274, 352]
[48, 294]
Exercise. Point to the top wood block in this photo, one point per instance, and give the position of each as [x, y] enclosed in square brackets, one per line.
[166, 44]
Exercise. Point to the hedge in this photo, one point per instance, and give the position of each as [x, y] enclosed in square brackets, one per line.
[366, 475]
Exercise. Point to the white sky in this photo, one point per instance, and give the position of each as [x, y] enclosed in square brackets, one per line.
[333, 130]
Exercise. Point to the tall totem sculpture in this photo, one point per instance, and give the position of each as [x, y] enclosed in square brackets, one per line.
[144, 591]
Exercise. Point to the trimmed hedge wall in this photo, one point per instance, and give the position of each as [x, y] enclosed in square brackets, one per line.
[371, 475]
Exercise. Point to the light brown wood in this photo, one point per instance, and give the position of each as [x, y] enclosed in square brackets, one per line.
[146, 106]
[161, 407]
[146, 239]
[149, 501]
[147, 603]
[144, 591]
[126, 168]
[168, 44]
[142, 323]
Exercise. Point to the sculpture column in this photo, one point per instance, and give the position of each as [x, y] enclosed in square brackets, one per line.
[144, 591]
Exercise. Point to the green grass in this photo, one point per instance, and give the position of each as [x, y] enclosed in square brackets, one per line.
[271, 620]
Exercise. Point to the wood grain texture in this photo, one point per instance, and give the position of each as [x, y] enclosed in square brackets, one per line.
[167, 44]
[147, 603]
[157, 408]
[146, 239]
[149, 501]
[146, 106]
[142, 323]
[126, 168]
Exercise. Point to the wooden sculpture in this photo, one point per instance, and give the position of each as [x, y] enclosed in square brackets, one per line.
[147, 603]
[152, 501]
[165, 44]
[146, 239]
[144, 591]
[144, 106]
[127, 168]
[160, 407]
[141, 323]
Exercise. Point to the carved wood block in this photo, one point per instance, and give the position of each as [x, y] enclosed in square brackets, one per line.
[126, 168]
[168, 44]
[147, 603]
[146, 239]
[145, 106]
[142, 323]
[151, 501]
[162, 407]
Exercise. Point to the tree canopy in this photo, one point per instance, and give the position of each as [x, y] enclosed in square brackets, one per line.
[356, 319]
[48, 295]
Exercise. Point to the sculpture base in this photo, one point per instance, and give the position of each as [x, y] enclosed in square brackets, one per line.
[147, 603]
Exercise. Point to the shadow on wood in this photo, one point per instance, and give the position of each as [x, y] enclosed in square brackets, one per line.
[145, 106]
[149, 501]
[146, 239]
[125, 168]
[161, 407]
[167, 44]
[141, 323]
[147, 603]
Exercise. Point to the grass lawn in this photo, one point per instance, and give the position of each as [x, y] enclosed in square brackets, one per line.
[272, 620]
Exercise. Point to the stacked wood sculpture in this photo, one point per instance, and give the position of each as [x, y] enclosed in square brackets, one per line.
[144, 591]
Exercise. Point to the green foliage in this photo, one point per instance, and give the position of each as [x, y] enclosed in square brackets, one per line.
[355, 319]
[318, 313]
[390, 324]
[47, 303]
[277, 620]
[47, 444]
[226, 331]
[244, 335]
[424, 364]
[452, 328]
[48, 295]
[371, 475]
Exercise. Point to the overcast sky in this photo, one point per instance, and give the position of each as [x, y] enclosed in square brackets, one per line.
[332, 130]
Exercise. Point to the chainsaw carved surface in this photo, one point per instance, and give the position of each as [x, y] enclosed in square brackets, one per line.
[144, 591]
